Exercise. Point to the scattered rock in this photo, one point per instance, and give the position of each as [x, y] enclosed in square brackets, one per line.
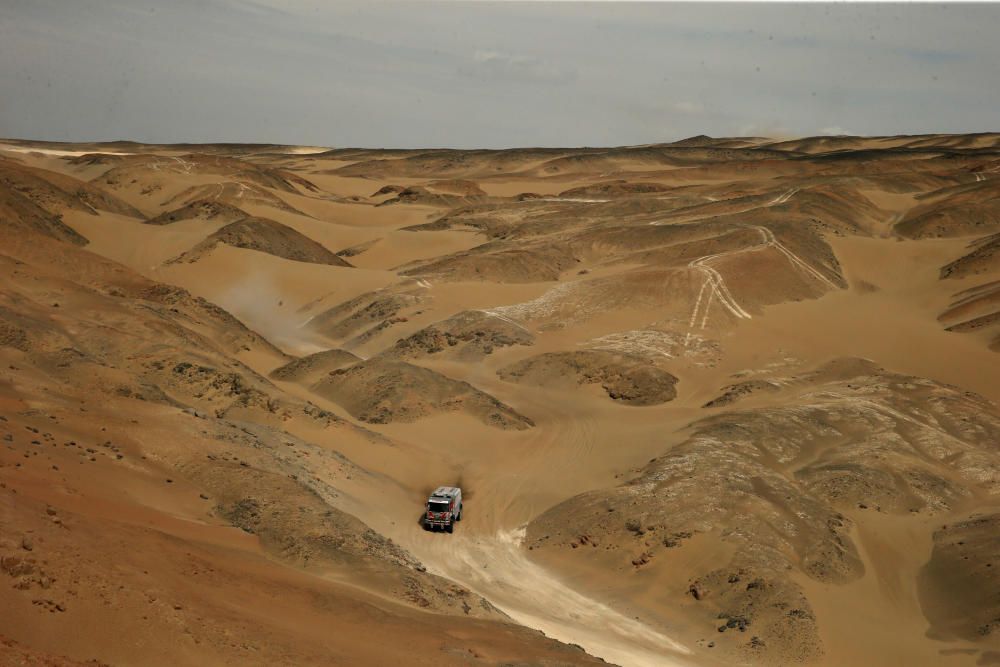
[698, 590]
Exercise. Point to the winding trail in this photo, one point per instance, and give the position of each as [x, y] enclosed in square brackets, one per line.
[780, 199]
[773, 242]
[492, 313]
[185, 165]
[716, 285]
[222, 189]
[496, 568]
[485, 553]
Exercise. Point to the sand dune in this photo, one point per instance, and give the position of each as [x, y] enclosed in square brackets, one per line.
[961, 211]
[982, 258]
[203, 209]
[267, 236]
[625, 378]
[379, 392]
[468, 335]
[725, 400]
[313, 367]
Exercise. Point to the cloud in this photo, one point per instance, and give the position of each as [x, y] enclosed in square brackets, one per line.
[500, 66]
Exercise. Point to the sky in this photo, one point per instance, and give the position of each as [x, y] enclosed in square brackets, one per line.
[490, 75]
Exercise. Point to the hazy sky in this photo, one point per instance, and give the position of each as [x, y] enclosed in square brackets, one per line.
[414, 74]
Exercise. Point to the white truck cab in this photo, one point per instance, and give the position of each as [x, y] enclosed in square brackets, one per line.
[444, 508]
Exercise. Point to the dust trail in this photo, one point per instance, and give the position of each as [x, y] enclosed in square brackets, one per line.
[496, 568]
[257, 302]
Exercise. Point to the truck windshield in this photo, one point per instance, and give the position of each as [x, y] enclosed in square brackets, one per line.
[437, 507]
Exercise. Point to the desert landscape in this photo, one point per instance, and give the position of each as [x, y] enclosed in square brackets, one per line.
[716, 401]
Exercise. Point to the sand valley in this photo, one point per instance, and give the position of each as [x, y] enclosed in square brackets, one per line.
[716, 401]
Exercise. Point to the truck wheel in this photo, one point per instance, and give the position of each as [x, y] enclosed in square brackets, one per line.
[426, 526]
[450, 528]
[458, 517]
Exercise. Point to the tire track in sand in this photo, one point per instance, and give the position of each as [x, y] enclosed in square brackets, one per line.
[533, 597]
[485, 554]
[780, 199]
[717, 286]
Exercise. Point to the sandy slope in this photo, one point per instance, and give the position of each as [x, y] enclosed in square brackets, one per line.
[831, 300]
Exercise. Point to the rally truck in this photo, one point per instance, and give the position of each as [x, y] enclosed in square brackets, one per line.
[444, 508]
